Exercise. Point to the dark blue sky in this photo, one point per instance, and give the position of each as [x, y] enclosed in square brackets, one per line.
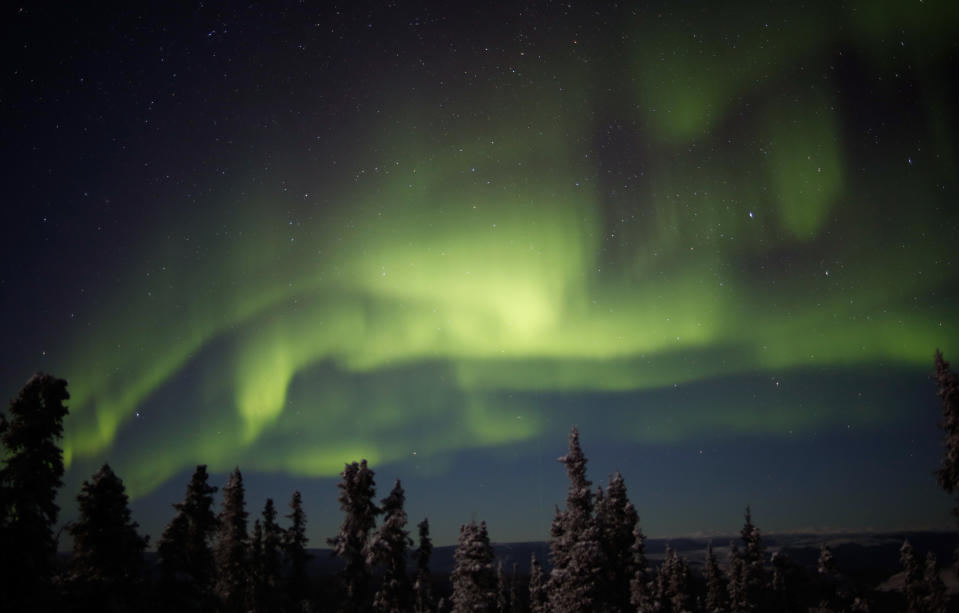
[285, 236]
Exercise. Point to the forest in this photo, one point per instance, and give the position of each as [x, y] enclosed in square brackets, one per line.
[213, 560]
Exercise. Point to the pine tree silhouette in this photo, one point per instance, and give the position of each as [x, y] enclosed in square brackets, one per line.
[617, 520]
[576, 582]
[30, 476]
[185, 549]
[716, 589]
[538, 592]
[107, 565]
[641, 589]
[388, 549]
[231, 553]
[423, 601]
[747, 579]
[296, 557]
[914, 588]
[474, 579]
[948, 473]
[265, 554]
[933, 586]
[357, 490]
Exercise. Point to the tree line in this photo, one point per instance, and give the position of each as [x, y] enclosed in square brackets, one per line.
[209, 560]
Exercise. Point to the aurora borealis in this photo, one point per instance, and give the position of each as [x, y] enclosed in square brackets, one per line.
[288, 237]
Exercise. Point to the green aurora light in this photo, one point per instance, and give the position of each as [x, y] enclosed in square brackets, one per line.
[460, 267]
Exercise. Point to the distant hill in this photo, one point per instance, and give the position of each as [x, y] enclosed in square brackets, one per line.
[865, 558]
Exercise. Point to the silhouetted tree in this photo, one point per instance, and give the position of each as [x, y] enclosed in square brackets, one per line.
[576, 582]
[107, 565]
[232, 560]
[828, 578]
[641, 588]
[423, 601]
[474, 580]
[357, 490]
[294, 547]
[935, 590]
[617, 519]
[30, 475]
[538, 594]
[716, 594]
[948, 473]
[746, 575]
[788, 588]
[185, 548]
[913, 581]
[515, 604]
[388, 549]
[266, 549]
[502, 589]
[673, 584]
[738, 595]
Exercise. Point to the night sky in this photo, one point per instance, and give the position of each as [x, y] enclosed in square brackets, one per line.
[718, 237]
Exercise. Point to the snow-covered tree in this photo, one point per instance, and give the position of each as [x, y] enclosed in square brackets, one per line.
[31, 473]
[387, 549]
[746, 575]
[538, 593]
[716, 590]
[936, 599]
[186, 548]
[474, 579]
[914, 588]
[948, 473]
[502, 589]
[423, 600]
[357, 490]
[515, 604]
[266, 551]
[738, 596]
[295, 555]
[617, 519]
[107, 564]
[576, 582]
[673, 582]
[641, 586]
[231, 553]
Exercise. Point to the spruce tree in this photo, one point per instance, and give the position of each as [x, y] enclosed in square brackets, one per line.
[423, 600]
[538, 593]
[266, 550]
[948, 473]
[473, 578]
[31, 472]
[231, 554]
[716, 594]
[673, 584]
[107, 564]
[387, 549]
[914, 588]
[617, 519]
[515, 604]
[257, 584]
[738, 594]
[294, 548]
[502, 589]
[641, 586]
[357, 490]
[576, 582]
[753, 576]
[936, 600]
[828, 578]
[185, 548]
